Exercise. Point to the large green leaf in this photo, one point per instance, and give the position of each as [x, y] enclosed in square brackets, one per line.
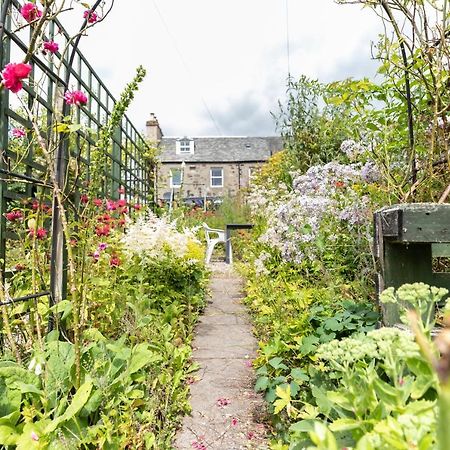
[78, 401]
[8, 434]
[140, 357]
[262, 384]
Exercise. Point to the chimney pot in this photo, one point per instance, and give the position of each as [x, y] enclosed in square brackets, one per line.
[154, 132]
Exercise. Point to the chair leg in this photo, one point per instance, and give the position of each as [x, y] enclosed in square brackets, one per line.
[210, 249]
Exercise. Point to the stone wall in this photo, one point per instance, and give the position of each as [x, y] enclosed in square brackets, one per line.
[197, 178]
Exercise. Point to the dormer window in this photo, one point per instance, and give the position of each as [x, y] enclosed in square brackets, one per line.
[185, 146]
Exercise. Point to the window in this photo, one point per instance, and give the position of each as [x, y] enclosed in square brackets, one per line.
[176, 178]
[216, 177]
[185, 146]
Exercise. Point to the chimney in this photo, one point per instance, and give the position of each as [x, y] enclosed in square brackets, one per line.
[154, 133]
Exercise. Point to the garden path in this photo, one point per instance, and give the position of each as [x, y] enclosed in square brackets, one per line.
[225, 409]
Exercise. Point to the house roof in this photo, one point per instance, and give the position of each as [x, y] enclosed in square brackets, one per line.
[222, 149]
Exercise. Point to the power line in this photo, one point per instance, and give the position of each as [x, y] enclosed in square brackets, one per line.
[186, 67]
[288, 50]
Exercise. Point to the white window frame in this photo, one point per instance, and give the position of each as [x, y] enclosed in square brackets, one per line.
[182, 149]
[211, 177]
[175, 186]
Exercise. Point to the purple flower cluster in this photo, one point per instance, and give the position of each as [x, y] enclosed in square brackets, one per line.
[323, 202]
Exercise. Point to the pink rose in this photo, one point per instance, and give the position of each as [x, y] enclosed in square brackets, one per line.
[51, 46]
[18, 133]
[13, 74]
[75, 98]
[14, 216]
[111, 205]
[40, 233]
[90, 16]
[114, 261]
[30, 12]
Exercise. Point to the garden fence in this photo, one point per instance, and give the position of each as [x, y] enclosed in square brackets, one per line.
[23, 174]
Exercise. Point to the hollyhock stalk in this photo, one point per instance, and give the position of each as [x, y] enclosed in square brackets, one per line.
[71, 269]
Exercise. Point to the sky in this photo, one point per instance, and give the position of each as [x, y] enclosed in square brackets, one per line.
[219, 67]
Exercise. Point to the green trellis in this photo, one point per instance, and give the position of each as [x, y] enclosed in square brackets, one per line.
[22, 175]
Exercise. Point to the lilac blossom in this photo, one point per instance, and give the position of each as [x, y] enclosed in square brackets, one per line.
[323, 202]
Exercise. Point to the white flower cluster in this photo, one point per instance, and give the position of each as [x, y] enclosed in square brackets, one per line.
[260, 267]
[262, 199]
[376, 344]
[155, 234]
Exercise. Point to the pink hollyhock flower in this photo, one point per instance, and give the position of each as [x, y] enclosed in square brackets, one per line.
[121, 223]
[18, 133]
[51, 46]
[75, 98]
[30, 12]
[102, 246]
[84, 198]
[114, 261]
[40, 233]
[137, 206]
[105, 230]
[121, 203]
[96, 255]
[251, 435]
[97, 202]
[35, 205]
[90, 16]
[13, 74]
[14, 216]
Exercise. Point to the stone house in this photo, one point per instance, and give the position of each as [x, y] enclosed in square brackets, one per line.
[199, 167]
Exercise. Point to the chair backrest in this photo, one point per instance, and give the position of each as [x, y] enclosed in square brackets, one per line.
[209, 231]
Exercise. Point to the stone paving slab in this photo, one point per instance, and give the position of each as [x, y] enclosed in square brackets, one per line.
[225, 409]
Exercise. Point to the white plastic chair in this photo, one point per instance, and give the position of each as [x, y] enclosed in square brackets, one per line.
[212, 241]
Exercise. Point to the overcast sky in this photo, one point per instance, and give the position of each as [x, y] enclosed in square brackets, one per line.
[219, 67]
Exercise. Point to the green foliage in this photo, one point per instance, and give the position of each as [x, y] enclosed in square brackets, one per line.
[316, 119]
[377, 390]
[135, 359]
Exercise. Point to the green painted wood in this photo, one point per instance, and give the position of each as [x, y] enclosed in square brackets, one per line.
[421, 222]
[404, 264]
[138, 184]
[440, 250]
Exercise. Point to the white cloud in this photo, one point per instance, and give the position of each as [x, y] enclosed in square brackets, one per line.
[229, 54]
